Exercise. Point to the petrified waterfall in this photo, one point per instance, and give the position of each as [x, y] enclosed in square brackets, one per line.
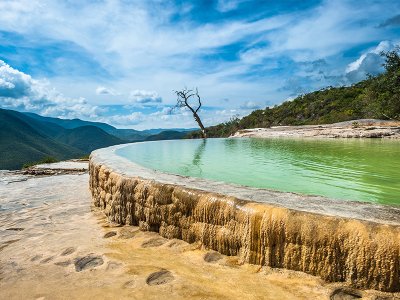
[362, 253]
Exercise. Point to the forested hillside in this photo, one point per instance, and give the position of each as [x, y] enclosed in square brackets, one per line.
[22, 143]
[88, 138]
[26, 138]
[376, 97]
[167, 135]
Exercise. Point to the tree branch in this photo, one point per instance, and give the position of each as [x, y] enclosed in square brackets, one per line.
[199, 99]
[183, 98]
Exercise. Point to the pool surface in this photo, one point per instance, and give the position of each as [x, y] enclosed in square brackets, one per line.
[348, 169]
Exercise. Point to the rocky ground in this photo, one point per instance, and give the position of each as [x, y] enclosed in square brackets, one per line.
[365, 128]
[54, 245]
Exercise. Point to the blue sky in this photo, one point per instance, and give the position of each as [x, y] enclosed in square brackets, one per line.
[119, 61]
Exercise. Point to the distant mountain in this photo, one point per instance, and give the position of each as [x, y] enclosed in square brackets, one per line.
[158, 130]
[130, 135]
[21, 143]
[151, 134]
[88, 138]
[29, 137]
[43, 127]
[167, 135]
[70, 123]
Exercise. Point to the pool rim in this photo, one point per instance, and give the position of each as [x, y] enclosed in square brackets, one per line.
[364, 211]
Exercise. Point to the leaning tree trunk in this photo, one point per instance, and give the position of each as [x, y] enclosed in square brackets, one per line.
[183, 101]
[198, 120]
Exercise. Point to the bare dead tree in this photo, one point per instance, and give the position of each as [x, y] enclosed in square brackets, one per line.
[183, 100]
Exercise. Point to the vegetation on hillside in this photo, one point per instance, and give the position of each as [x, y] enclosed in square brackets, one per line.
[87, 138]
[26, 138]
[376, 97]
[22, 143]
[167, 135]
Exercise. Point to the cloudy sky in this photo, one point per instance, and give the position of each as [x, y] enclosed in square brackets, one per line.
[118, 61]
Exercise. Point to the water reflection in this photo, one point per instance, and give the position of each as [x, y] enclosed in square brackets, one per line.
[230, 144]
[198, 154]
[194, 169]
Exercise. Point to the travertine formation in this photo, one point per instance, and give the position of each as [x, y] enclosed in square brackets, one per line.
[362, 253]
[54, 246]
[364, 128]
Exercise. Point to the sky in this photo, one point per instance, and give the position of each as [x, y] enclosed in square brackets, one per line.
[120, 61]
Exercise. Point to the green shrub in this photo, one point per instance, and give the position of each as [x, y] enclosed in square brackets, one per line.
[45, 160]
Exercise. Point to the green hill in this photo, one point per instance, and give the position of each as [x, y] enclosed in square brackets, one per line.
[123, 134]
[376, 97]
[88, 138]
[26, 138]
[70, 123]
[129, 135]
[155, 131]
[167, 135]
[21, 143]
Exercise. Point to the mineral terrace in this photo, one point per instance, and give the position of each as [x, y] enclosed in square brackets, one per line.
[365, 128]
[350, 242]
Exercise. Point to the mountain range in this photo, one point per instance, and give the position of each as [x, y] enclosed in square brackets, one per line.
[28, 137]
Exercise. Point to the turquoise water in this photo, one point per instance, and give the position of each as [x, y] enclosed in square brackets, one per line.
[349, 169]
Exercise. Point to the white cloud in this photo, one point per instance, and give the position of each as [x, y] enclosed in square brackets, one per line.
[228, 5]
[14, 84]
[137, 39]
[20, 91]
[124, 120]
[101, 90]
[369, 62]
[325, 30]
[251, 105]
[145, 97]
[5, 85]
[328, 30]
[383, 46]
